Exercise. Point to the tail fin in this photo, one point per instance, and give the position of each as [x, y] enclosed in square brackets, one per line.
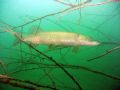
[4, 27]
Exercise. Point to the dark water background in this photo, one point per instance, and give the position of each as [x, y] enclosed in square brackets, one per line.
[100, 22]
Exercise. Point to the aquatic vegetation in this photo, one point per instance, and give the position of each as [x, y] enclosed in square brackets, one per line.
[43, 59]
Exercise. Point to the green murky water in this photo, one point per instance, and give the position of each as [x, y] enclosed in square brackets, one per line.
[60, 68]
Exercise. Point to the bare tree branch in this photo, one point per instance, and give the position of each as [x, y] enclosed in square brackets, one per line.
[22, 83]
[105, 53]
[64, 3]
[71, 67]
[84, 4]
[8, 80]
[48, 57]
[3, 65]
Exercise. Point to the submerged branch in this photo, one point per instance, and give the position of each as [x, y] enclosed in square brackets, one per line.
[105, 53]
[6, 79]
[3, 65]
[64, 3]
[48, 57]
[59, 65]
[71, 67]
[76, 7]
[22, 83]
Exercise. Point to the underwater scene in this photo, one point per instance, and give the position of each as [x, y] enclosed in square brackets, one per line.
[59, 44]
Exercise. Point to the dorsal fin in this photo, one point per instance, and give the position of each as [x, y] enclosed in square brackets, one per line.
[35, 30]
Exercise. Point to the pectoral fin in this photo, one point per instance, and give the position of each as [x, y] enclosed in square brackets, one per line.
[55, 47]
[51, 46]
[75, 49]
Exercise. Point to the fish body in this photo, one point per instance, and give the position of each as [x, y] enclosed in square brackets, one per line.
[60, 38]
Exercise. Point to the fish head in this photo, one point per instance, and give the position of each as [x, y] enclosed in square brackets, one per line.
[85, 40]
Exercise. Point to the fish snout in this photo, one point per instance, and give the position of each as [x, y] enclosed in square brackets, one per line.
[89, 43]
[93, 43]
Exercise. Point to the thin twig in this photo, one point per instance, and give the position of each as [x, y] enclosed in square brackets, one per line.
[64, 3]
[3, 65]
[105, 53]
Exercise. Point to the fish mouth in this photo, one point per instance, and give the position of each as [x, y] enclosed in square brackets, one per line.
[94, 43]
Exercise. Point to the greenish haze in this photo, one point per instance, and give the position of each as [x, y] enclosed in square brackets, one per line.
[100, 23]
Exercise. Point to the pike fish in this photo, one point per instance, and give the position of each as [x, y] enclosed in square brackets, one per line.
[59, 38]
